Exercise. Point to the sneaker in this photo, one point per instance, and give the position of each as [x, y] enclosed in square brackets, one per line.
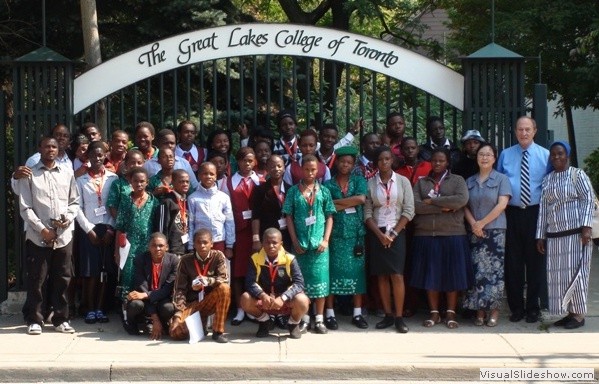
[331, 323]
[34, 329]
[263, 329]
[219, 338]
[320, 328]
[303, 326]
[294, 331]
[65, 327]
[281, 321]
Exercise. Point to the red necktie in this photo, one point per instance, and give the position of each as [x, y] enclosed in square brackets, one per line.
[187, 156]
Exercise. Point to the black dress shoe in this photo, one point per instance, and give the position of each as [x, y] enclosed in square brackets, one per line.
[562, 322]
[516, 317]
[294, 331]
[532, 317]
[219, 338]
[236, 322]
[320, 328]
[387, 322]
[331, 323]
[263, 329]
[359, 322]
[573, 324]
[400, 325]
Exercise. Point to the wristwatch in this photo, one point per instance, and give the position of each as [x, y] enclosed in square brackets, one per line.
[395, 234]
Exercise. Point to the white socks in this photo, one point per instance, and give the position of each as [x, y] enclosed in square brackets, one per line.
[357, 311]
[240, 315]
[319, 318]
[292, 321]
[330, 312]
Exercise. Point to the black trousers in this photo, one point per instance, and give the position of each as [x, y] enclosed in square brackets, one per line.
[54, 266]
[137, 309]
[523, 264]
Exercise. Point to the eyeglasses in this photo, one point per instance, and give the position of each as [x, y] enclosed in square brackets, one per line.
[485, 155]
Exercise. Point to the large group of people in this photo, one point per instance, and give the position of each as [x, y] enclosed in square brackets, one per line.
[286, 231]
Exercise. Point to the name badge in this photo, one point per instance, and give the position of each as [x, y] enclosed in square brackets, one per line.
[100, 211]
[350, 210]
[310, 220]
[185, 238]
[246, 215]
[282, 223]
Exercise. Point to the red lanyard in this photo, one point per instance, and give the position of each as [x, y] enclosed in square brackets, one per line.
[438, 183]
[343, 188]
[387, 189]
[291, 151]
[331, 161]
[183, 209]
[310, 199]
[156, 269]
[202, 272]
[98, 181]
[272, 270]
[279, 194]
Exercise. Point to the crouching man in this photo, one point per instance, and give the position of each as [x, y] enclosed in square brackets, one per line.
[274, 285]
[152, 296]
[201, 285]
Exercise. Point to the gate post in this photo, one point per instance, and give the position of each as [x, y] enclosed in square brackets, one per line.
[494, 93]
[43, 97]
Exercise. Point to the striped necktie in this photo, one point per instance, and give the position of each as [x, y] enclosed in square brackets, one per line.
[524, 181]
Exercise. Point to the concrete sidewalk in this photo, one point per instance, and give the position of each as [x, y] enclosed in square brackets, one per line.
[104, 352]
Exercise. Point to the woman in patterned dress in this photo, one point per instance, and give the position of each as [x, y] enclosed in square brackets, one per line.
[346, 253]
[134, 222]
[309, 209]
[489, 192]
[564, 231]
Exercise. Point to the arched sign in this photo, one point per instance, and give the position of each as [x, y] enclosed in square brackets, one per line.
[268, 39]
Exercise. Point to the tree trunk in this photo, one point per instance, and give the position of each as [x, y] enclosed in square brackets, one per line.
[571, 134]
[93, 54]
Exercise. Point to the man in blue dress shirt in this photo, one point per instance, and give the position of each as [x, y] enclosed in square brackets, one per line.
[525, 164]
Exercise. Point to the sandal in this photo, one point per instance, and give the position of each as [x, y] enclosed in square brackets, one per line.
[451, 323]
[435, 319]
[101, 317]
[90, 318]
[492, 322]
[479, 320]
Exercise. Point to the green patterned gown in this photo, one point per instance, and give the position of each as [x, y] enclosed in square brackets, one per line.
[314, 265]
[137, 224]
[348, 276]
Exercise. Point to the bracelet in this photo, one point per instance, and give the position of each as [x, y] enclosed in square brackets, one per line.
[256, 238]
[394, 233]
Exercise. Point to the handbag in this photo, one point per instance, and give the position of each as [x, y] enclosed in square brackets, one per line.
[595, 222]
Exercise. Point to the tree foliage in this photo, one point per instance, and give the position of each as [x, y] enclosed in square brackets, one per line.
[551, 29]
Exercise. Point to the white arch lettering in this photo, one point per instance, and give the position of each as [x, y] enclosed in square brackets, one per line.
[268, 39]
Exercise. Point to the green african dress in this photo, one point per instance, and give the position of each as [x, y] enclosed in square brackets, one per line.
[314, 265]
[348, 276]
[119, 190]
[137, 224]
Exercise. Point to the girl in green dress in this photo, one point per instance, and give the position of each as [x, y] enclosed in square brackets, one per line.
[309, 209]
[348, 276]
[134, 223]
